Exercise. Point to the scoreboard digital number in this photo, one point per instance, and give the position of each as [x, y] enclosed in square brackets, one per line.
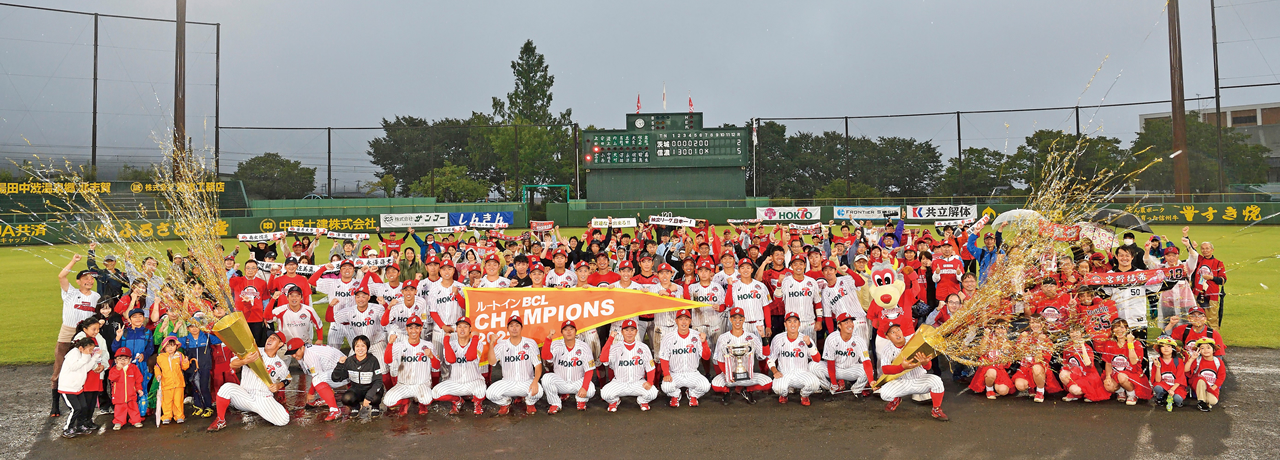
[665, 140]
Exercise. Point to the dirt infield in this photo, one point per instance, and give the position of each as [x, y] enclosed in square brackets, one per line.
[1243, 426]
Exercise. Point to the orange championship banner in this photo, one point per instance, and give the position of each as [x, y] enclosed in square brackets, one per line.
[543, 309]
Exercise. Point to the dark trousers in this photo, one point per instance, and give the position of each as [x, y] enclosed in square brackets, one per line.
[354, 397]
[81, 410]
[260, 333]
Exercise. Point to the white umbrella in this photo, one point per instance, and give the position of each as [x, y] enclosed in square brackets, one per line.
[1013, 215]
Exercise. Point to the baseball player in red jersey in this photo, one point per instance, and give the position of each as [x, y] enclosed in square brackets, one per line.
[414, 364]
[603, 276]
[845, 358]
[1207, 373]
[992, 373]
[1034, 370]
[573, 368]
[633, 369]
[521, 370]
[1123, 370]
[914, 379]
[462, 352]
[738, 336]
[681, 354]
[253, 394]
[789, 358]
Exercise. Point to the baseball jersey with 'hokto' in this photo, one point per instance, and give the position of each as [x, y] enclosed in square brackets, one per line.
[631, 362]
[753, 298]
[276, 369]
[464, 359]
[683, 353]
[790, 355]
[367, 323]
[566, 280]
[518, 359]
[801, 297]
[412, 363]
[570, 364]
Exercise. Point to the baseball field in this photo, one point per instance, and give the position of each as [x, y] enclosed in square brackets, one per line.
[1252, 258]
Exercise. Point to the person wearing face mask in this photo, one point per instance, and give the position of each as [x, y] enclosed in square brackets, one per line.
[1128, 244]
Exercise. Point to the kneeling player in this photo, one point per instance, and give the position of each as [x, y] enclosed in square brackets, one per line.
[789, 358]
[319, 361]
[846, 359]
[914, 379]
[738, 337]
[681, 354]
[1207, 372]
[633, 369]
[253, 394]
[1034, 368]
[574, 368]
[413, 364]
[992, 374]
[521, 370]
[462, 352]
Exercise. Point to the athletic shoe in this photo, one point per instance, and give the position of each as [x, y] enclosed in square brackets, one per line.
[457, 407]
[422, 408]
[215, 426]
[1160, 399]
[991, 395]
[804, 400]
[530, 409]
[724, 399]
[1203, 406]
[1039, 398]
[116, 427]
[55, 414]
[582, 406]
[504, 410]
[186, 400]
[180, 421]
[100, 411]
[644, 407]
[208, 412]
[552, 410]
[893, 405]
[316, 403]
[750, 396]
[479, 407]
[693, 402]
[613, 407]
[675, 402]
[164, 422]
[374, 412]
[84, 430]
[1070, 397]
[1131, 401]
[782, 400]
[333, 415]
[937, 414]
[866, 393]
[137, 425]
[68, 433]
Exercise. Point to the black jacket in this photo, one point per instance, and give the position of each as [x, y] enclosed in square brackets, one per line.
[364, 375]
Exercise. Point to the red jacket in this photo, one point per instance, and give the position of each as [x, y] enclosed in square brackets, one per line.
[125, 384]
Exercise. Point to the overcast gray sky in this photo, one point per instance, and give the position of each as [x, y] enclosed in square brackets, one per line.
[330, 63]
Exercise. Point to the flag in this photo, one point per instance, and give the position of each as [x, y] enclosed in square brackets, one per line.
[664, 96]
[637, 102]
[691, 103]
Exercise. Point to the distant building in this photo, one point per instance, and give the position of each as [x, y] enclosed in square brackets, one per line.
[1260, 121]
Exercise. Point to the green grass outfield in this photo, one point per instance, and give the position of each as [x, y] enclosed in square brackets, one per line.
[33, 310]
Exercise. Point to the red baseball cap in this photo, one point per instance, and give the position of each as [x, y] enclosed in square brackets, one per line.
[800, 259]
[447, 263]
[1098, 256]
[737, 311]
[829, 264]
[560, 252]
[363, 288]
[512, 319]
[293, 345]
[568, 323]
[791, 315]
[433, 260]
[411, 284]
[280, 336]
[465, 319]
[123, 351]
[628, 323]
[684, 312]
[746, 261]
[843, 317]
[581, 264]
[536, 266]
[667, 267]
[705, 262]
[492, 256]
[414, 320]
[1195, 309]
[1171, 250]
[626, 264]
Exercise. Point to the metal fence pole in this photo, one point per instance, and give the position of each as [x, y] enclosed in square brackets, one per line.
[93, 151]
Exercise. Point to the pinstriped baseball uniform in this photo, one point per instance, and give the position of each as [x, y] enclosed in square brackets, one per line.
[683, 355]
[570, 367]
[254, 395]
[848, 356]
[465, 378]
[630, 363]
[913, 382]
[412, 364]
[792, 358]
[518, 371]
[723, 344]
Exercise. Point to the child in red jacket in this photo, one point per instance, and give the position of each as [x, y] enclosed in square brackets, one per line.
[126, 388]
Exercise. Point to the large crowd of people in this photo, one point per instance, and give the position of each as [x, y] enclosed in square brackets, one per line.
[788, 311]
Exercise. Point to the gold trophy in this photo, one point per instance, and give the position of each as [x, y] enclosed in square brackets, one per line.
[234, 331]
[922, 341]
[739, 359]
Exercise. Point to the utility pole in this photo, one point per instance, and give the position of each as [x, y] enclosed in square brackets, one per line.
[329, 178]
[180, 92]
[959, 154]
[1181, 166]
[217, 101]
[1217, 99]
[848, 161]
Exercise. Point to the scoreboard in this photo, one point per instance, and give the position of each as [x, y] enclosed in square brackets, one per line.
[665, 140]
[665, 156]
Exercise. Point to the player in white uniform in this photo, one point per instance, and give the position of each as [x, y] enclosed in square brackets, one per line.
[252, 394]
[590, 336]
[633, 369]
[728, 274]
[664, 322]
[521, 370]
[914, 380]
[296, 319]
[800, 295]
[682, 353]
[752, 296]
[789, 358]
[462, 352]
[840, 296]
[561, 276]
[735, 337]
[366, 319]
[625, 270]
[574, 367]
[388, 293]
[444, 302]
[341, 292]
[707, 320]
[845, 358]
[413, 362]
[492, 278]
[396, 316]
[318, 361]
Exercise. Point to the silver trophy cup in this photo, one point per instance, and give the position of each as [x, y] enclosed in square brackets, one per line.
[740, 365]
